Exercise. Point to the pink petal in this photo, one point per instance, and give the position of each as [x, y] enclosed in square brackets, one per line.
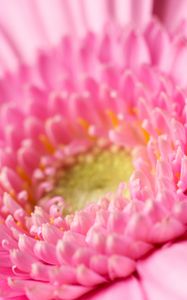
[19, 20]
[87, 277]
[163, 274]
[141, 11]
[69, 292]
[126, 289]
[38, 291]
[135, 50]
[22, 260]
[169, 10]
[120, 266]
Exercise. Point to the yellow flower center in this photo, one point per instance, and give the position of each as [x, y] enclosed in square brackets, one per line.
[91, 175]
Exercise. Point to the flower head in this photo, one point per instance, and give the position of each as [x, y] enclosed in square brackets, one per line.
[94, 166]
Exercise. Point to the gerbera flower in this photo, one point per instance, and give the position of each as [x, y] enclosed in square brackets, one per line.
[93, 151]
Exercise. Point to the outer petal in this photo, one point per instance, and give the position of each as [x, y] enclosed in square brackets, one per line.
[171, 12]
[19, 19]
[16, 298]
[135, 12]
[164, 273]
[45, 22]
[141, 11]
[127, 289]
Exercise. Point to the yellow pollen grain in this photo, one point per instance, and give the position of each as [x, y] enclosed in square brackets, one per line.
[28, 209]
[146, 135]
[45, 141]
[21, 172]
[51, 220]
[27, 187]
[133, 110]
[177, 175]
[158, 131]
[83, 123]
[41, 166]
[20, 225]
[113, 118]
[12, 193]
[158, 156]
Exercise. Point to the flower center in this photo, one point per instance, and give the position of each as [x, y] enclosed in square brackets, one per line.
[91, 176]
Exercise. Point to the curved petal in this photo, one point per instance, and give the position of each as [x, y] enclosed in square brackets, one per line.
[135, 12]
[171, 12]
[22, 28]
[126, 289]
[164, 273]
[141, 12]
[30, 25]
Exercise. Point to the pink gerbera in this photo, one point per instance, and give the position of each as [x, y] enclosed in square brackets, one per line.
[93, 139]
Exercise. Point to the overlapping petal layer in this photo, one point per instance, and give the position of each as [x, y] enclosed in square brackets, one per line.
[119, 89]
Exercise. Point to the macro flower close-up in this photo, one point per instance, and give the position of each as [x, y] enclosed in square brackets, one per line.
[93, 149]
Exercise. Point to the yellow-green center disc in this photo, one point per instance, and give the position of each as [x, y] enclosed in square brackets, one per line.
[92, 176]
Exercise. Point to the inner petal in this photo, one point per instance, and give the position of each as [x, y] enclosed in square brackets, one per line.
[92, 175]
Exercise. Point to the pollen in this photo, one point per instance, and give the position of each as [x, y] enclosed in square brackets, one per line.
[113, 117]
